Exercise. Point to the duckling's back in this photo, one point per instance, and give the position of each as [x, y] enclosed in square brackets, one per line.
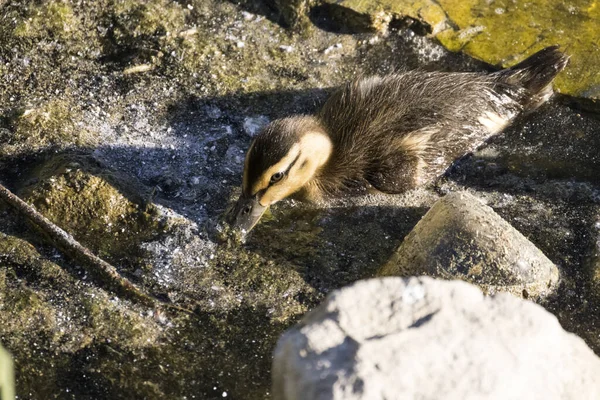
[403, 130]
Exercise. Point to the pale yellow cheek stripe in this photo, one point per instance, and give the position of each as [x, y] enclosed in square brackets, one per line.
[265, 178]
[315, 149]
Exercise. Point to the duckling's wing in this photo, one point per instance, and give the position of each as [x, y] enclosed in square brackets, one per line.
[404, 130]
[403, 165]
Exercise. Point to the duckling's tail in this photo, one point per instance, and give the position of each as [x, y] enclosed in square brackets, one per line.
[536, 73]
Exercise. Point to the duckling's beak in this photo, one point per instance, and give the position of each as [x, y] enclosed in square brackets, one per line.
[246, 213]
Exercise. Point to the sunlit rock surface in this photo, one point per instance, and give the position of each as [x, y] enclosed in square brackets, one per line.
[421, 338]
[499, 32]
[99, 210]
[462, 238]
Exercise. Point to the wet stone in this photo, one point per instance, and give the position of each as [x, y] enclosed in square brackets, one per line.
[93, 205]
[462, 238]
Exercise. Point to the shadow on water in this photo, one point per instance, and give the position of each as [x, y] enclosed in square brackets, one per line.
[334, 247]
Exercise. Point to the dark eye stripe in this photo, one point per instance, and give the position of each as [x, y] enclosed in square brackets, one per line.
[287, 170]
[292, 164]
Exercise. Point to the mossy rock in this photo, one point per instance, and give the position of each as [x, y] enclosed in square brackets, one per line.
[49, 124]
[49, 19]
[95, 205]
[501, 33]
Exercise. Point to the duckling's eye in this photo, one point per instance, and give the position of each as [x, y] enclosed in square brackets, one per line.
[276, 177]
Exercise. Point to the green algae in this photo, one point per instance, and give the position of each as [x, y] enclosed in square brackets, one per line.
[504, 32]
[52, 124]
[161, 17]
[41, 305]
[86, 201]
[127, 352]
[508, 32]
[56, 20]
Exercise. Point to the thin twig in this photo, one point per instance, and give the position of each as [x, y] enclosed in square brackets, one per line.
[95, 265]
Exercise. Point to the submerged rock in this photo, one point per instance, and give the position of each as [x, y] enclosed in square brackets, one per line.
[93, 205]
[421, 338]
[462, 238]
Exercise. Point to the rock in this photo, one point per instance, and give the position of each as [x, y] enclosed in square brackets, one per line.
[253, 125]
[462, 238]
[93, 204]
[419, 338]
[294, 13]
[501, 34]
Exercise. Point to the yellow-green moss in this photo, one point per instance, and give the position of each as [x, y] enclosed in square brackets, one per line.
[81, 198]
[504, 32]
[52, 18]
[52, 124]
[158, 17]
[108, 322]
[22, 309]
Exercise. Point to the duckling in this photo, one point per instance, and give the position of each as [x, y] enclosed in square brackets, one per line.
[391, 133]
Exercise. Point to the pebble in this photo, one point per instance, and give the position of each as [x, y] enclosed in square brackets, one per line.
[253, 125]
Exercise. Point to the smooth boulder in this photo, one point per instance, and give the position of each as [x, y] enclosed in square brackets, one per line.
[462, 238]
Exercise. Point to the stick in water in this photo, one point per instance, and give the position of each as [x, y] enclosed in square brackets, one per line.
[95, 265]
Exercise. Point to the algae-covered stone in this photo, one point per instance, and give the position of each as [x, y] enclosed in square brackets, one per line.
[88, 202]
[377, 14]
[462, 238]
[52, 123]
[294, 12]
[503, 32]
[52, 19]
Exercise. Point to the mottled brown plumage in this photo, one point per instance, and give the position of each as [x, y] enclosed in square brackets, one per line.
[392, 133]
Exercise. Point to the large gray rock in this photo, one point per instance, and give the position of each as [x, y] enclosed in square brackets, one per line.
[462, 238]
[420, 338]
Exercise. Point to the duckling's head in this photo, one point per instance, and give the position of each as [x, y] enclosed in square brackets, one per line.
[281, 160]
